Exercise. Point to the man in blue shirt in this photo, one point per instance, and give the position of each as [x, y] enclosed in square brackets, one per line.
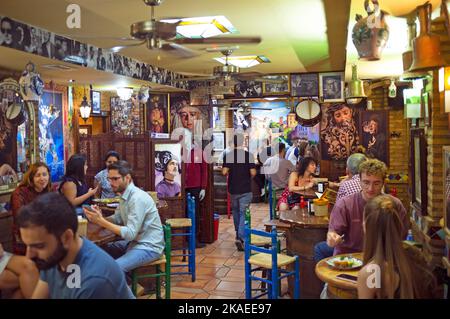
[136, 220]
[71, 267]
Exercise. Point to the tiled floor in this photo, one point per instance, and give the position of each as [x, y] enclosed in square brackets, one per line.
[220, 266]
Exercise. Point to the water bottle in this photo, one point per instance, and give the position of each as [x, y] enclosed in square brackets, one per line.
[410, 236]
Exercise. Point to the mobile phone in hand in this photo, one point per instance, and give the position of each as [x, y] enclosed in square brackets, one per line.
[88, 207]
[348, 277]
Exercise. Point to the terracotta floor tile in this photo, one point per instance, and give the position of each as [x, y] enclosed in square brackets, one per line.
[184, 290]
[231, 294]
[179, 295]
[198, 283]
[221, 297]
[214, 260]
[231, 286]
[201, 296]
[222, 252]
[211, 285]
[222, 272]
[231, 261]
[239, 273]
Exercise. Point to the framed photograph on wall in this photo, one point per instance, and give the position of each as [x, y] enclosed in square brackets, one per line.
[247, 89]
[446, 179]
[279, 86]
[331, 86]
[157, 115]
[418, 171]
[168, 169]
[374, 127]
[305, 85]
[218, 141]
[95, 100]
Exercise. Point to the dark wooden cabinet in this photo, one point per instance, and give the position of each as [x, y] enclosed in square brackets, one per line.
[220, 192]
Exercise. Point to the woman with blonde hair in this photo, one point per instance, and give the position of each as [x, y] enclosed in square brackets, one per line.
[388, 271]
[36, 181]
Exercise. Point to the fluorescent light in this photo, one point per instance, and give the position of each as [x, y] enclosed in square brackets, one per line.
[124, 93]
[202, 27]
[244, 61]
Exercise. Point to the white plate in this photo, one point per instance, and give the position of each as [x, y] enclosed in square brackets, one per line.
[356, 263]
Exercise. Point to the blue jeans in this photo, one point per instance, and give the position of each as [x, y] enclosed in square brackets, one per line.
[129, 259]
[239, 202]
[322, 250]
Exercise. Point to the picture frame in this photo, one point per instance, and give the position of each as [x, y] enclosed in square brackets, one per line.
[374, 134]
[96, 103]
[157, 115]
[418, 171]
[248, 89]
[281, 88]
[305, 84]
[446, 182]
[165, 152]
[331, 87]
[218, 141]
[426, 108]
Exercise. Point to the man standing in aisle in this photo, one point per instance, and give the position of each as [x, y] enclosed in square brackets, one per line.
[240, 167]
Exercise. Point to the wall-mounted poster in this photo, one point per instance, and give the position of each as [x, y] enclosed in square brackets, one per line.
[331, 86]
[158, 114]
[338, 131]
[218, 141]
[96, 102]
[305, 85]
[418, 171]
[374, 128]
[168, 173]
[51, 137]
[125, 116]
[248, 89]
[195, 118]
[241, 117]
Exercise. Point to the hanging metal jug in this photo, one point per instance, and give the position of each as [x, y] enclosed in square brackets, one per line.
[426, 47]
[370, 34]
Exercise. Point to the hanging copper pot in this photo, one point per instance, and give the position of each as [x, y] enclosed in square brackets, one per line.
[426, 47]
[370, 34]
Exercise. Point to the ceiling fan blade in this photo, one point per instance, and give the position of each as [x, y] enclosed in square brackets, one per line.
[179, 50]
[118, 48]
[260, 108]
[218, 40]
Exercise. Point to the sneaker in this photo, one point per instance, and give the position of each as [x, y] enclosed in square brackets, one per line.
[239, 245]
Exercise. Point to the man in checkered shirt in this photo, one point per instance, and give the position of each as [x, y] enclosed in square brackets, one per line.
[352, 184]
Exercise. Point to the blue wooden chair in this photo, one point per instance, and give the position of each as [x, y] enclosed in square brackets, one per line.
[187, 225]
[267, 259]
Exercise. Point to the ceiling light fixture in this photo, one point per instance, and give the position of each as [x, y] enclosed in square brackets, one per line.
[202, 27]
[244, 61]
[124, 93]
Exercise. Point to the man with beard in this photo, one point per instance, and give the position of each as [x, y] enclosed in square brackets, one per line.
[339, 132]
[71, 267]
[136, 220]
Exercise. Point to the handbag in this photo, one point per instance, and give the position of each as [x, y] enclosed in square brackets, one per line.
[293, 198]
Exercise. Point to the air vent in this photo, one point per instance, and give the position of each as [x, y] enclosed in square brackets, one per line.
[58, 67]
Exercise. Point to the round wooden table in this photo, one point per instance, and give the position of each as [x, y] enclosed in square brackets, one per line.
[338, 288]
[305, 232]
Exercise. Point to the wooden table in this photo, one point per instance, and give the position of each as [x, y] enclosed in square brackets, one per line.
[338, 288]
[99, 235]
[305, 232]
[308, 194]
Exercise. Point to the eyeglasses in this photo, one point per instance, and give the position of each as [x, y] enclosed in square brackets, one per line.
[115, 178]
[368, 184]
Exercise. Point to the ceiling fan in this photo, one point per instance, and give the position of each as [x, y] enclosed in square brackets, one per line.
[157, 34]
[228, 72]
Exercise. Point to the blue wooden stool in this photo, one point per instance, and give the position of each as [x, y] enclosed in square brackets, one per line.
[188, 226]
[267, 259]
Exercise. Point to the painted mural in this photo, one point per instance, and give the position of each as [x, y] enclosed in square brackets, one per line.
[51, 136]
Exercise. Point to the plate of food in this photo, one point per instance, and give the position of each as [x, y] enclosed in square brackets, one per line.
[106, 201]
[345, 262]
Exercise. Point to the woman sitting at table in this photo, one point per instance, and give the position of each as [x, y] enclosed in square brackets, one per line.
[101, 179]
[399, 275]
[73, 185]
[299, 181]
[36, 181]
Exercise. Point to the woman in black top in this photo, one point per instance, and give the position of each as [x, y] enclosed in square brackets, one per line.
[73, 185]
